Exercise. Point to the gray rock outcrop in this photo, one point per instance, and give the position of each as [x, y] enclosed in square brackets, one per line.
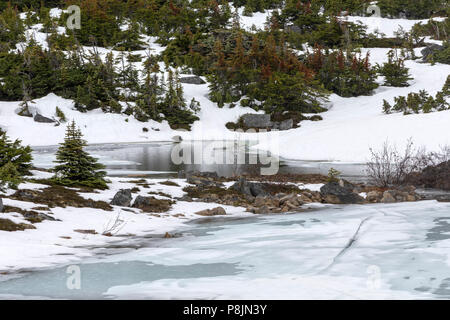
[218, 211]
[122, 198]
[40, 118]
[338, 193]
[192, 80]
[430, 50]
[258, 121]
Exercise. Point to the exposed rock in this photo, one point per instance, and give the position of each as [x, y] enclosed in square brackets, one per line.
[249, 188]
[1, 205]
[40, 118]
[259, 121]
[122, 198]
[218, 211]
[436, 177]
[185, 198]
[151, 204]
[286, 124]
[259, 201]
[334, 193]
[192, 80]
[388, 197]
[262, 210]
[202, 181]
[430, 50]
[374, 196]
[30, 215]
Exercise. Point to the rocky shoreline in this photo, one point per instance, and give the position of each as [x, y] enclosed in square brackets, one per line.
[256, 194]
[277, 195]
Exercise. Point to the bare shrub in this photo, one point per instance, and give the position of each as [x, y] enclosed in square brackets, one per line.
[389, 166]
[113, 226]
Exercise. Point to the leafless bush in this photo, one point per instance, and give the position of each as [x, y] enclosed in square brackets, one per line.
[113, 226]
[389, 166]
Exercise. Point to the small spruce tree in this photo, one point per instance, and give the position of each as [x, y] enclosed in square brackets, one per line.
[394, 71]
[75, 165]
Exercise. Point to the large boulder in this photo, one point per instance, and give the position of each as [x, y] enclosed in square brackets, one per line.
[339, 193]
[192, 80]
[219, 211]
[436, 177]
[256, 120]
[247, 188]
[40, 118]
[430, 50]
[122, 198]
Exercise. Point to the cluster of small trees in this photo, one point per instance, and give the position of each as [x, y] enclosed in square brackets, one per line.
[345, 74]
[420, 102]
[75, 167]
[257, 68]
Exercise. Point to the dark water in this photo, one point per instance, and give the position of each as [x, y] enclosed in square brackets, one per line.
[157, 158]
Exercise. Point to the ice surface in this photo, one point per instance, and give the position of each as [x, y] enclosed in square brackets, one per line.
[341, 252]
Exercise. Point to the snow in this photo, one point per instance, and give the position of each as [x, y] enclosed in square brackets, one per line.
[385, 25]
[56, 242]
[256, 20]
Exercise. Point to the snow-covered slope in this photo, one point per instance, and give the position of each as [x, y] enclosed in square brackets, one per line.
[353, 125]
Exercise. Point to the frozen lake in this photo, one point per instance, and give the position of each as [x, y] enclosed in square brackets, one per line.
[337, 252]
[341, 252]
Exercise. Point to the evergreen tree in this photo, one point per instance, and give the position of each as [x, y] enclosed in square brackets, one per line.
[15, 161]
[75, 165]
[394, 71]
[15, 153]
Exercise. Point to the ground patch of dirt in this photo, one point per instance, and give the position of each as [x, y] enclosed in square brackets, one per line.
[58, 196]
[8, 225]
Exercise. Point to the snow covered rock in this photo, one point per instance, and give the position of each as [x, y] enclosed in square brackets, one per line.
[122, 198]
